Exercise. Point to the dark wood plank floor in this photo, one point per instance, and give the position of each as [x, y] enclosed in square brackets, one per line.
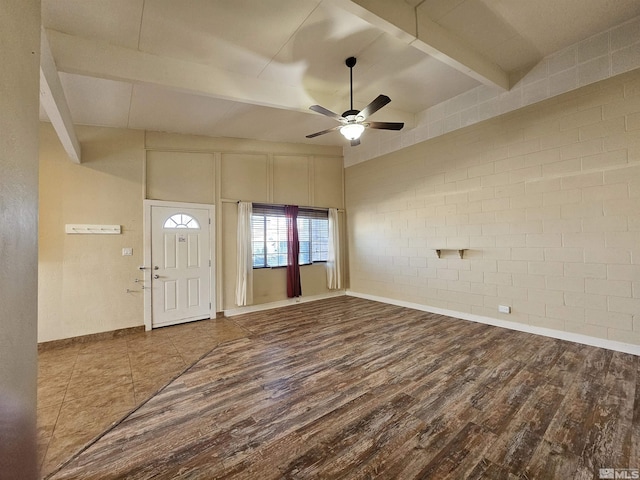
[349, 388]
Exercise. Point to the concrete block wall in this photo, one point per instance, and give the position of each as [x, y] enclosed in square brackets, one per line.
[596, 58]
[545, 200]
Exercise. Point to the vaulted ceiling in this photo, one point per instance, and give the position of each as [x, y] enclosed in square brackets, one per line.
[252, 68]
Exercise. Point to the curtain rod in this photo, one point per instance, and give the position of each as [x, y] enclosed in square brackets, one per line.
[283, 205]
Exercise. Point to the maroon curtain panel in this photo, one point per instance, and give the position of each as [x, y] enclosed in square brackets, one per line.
[294, 288]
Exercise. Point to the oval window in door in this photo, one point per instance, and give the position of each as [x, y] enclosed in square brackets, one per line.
[181, 220]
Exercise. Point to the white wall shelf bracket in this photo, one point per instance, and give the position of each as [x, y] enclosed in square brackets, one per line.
[92, 229]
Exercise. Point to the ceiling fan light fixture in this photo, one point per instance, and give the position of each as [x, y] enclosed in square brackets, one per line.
[353, 121]
[352, 131]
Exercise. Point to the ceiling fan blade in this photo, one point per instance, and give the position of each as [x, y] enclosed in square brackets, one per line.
[317, 134]
[324, 111]
[355, 142]
[386, 125]
[374, 106]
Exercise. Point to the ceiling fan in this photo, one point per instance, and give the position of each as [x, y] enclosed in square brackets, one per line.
[353, 121]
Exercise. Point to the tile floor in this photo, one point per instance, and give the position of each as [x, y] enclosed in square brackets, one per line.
[84, 388]
[350, 388]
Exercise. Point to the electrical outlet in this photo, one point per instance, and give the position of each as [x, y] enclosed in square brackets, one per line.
[127, 252]
[504, 308]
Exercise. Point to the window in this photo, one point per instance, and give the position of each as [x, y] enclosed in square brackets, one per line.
[269, 236]
[313, 236]
[181, 220]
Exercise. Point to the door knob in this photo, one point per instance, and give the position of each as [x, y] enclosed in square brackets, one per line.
[156, 276]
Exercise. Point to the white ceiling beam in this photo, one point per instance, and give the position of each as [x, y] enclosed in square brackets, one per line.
[88, 57]
[409, 24]
[85, 56]
[437, 42]
[54, 102]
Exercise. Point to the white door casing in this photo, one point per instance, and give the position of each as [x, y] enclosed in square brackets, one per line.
[178, 261]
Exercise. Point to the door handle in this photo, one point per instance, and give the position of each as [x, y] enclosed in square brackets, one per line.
[156, 276]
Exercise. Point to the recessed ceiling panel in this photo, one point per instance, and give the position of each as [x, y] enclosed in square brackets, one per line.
[162, 109]
[515, 34]
[116, 21]
[551, 25]
[237, 35]
[436, 9]
[418, 82]
[514, 54]
[276, 125]
[97, 101]
[320, 46]
[478, 24]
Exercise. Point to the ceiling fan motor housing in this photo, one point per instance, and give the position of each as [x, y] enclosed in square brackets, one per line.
[353, 113]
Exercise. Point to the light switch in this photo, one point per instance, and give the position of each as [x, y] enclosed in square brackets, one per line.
[127, 252]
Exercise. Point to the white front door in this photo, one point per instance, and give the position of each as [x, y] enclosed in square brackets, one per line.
[180, 264]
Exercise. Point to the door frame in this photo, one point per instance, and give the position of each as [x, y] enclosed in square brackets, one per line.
[148, 272]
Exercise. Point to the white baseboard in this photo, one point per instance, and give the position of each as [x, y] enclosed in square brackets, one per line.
[521, 327]
[282, 303]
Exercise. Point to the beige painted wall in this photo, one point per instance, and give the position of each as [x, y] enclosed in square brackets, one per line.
[546, 199]
[19, 97]
[83, 279]
[181, 176]
[246, 170]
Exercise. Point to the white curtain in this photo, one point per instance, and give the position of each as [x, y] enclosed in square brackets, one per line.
[334, 260]
[244, 279]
